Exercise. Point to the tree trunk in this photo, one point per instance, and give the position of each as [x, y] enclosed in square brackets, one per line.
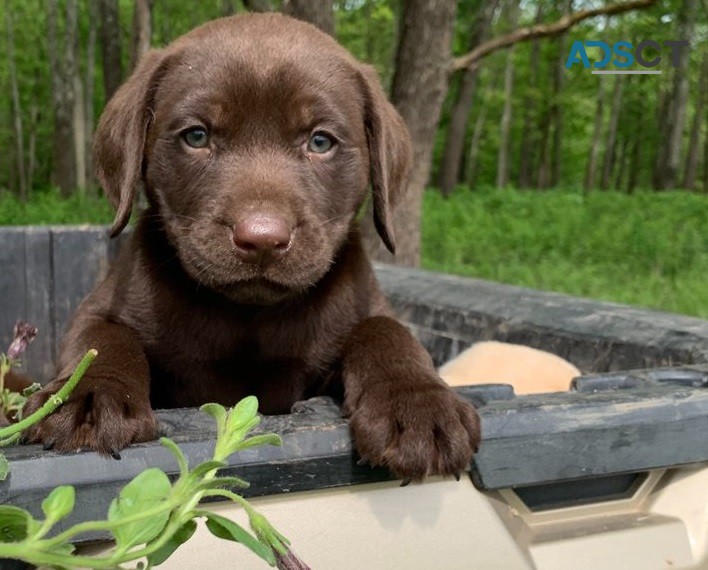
[529, 134]
[677, 119]
[418, 91]
[62, 76]
[621, 166]
[228, 7]
[257, 5]
[591, 169]
[110, 46]
[32, 145]
[79, 132]
[691, 171]
[459, 116]
[634, 163]
[705, 165]
[543, 177]
[636, 151]
[663, 111]
[317, 12]
[142, 30]
[16, 106]
[505, 126]
[474, 145]
[369, 33]
[556, 107]
[611, 137]
[79, 109]
[90, 79]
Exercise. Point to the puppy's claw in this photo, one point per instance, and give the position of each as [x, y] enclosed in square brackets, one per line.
[362, 461]
[115, 455]
[49, 445]
[457, 476]
[24, 440]
[406, 482]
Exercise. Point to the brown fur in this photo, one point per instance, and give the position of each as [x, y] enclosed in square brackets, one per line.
[183, 318]
[17, 381]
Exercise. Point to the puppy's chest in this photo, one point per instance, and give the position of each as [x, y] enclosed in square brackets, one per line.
[216, 341]
[278, 364]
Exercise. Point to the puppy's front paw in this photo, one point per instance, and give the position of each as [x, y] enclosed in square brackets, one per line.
[414, 428]
[100, 417]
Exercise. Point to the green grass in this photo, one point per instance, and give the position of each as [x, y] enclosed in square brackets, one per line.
[48, 207]
[650, 249]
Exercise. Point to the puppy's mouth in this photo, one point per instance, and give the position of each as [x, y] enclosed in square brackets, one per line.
[256, 291]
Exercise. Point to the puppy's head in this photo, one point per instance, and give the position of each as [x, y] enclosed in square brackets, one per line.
[256, 138]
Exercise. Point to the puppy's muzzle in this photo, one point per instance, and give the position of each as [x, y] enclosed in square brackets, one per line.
[262, 238]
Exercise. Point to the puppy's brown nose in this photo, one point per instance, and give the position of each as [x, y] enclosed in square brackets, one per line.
[261, 238]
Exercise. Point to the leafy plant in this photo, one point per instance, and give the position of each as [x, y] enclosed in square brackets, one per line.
[11, 403]
[11, 433]
[152, 517]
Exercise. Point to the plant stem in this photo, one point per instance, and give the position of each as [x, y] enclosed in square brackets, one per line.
[5, 366]
[55, 401]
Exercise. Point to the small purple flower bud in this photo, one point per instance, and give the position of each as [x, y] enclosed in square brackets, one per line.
[289, 561]
[24, 335]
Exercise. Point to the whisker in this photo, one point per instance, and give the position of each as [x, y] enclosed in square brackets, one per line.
[332, 220]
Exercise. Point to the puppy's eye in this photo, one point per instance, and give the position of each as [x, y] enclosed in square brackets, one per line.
[196, 137]
[320, 143]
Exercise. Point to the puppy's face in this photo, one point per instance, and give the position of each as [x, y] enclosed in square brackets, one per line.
[257, 165]
[261, 137]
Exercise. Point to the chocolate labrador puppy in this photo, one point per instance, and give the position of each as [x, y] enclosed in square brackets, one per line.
[255, 138]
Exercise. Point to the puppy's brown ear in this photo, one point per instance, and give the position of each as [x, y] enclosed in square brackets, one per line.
[390, 154]
[120, 137]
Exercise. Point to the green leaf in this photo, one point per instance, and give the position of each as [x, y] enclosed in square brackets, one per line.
[265, 439]
[4, 466]
[242, 415]
[14, 523]
[266, 533]
[177, 452]
[31, 389]
[66, 548]
[224, 482]
[224, 528]
[182, 535]
[59, 503]
[144, 492]
[218, 412]
[14, 401]
[203, 468]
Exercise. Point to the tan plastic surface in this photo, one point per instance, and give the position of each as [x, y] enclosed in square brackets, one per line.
[527, 369]
[449, 525]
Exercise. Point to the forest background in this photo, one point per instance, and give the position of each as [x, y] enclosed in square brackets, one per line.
[526, 171]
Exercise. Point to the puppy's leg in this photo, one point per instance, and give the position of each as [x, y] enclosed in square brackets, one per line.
[402, 415]
[110, 407]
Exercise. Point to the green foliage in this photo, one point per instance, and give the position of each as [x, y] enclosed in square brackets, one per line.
[151, 517]
[49, 207]
[365, 28]
[12, 403]
[647, 249]
[11, 433]
[642, 106]
[148, 491]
